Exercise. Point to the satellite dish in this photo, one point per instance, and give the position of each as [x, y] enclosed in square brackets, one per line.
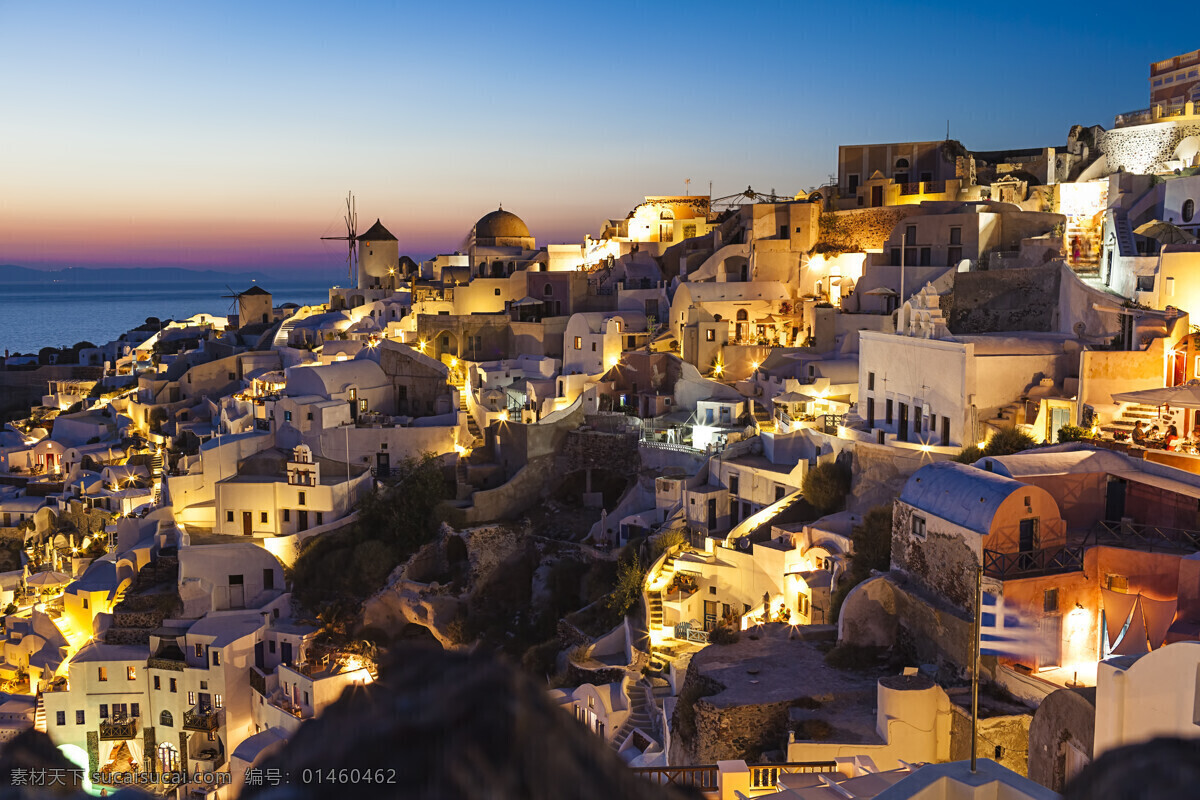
[1080, 329]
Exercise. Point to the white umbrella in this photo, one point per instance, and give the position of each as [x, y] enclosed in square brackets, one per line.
[44, 580]
[793, 397]
[1185, 396]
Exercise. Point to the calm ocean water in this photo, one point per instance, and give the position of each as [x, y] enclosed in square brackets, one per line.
[32, 317]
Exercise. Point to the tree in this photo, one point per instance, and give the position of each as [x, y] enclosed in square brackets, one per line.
[628, 590]
[872, 551]
[825, 486]
[969, 455]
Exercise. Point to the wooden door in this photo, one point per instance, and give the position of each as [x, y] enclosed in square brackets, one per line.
[247, 523]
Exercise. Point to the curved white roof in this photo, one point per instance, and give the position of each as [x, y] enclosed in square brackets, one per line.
[959, 493]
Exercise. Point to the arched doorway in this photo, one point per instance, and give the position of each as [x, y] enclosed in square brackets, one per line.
[740, 328]
[168, 756]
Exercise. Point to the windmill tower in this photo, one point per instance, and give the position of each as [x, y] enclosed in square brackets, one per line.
[372, 258]
[253, 305]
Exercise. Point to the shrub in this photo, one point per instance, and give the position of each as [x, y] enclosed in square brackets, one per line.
[826, 486]
[1073, 433]
[813, 730]
[969, 455]
[724, 634]
[1007, 442]
[672, 537]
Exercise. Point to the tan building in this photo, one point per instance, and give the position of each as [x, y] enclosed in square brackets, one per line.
[1175, 81]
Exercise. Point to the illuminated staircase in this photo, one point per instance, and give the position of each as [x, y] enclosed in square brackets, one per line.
[39, 714]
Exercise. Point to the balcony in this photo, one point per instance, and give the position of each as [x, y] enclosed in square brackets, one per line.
[206, 720]
[1032, 563]
[118, 730]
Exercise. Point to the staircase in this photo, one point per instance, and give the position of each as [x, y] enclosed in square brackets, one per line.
[472, 426]
[39, 714]
[1124, 233]
[284, 333]
[1131, 414]
[1008, 416]
[639, 717]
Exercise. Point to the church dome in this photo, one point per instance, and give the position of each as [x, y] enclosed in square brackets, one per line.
[501, 224]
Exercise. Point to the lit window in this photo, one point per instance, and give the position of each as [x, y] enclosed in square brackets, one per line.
[102, 673]
[263, 518]
[131, 673]
[578, 342]
[157, 682]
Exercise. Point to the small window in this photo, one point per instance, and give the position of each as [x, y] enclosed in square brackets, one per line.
[102, 673]
[1189, 209]
[593, 347]
[918, 527]
[733, 484]
[910, 234]
[300, 500]
[217, 701]
[80, 718]
[306, 698]
[204, 686]
[1145, 283]
[60, 718]
[166, 720]
[578, 342]
[157, 682]
[956, 235]
[85, 602]
[497, 293]
[320, 518]
[131, 673]
[216, 654]
[710, 335]
[712, 590]
[310, 416]
[271, 646]
[779, 493]
[263, 518]
[287, 416]
[1050, 601]
[191, 698]
[103, 711]
[870, 381]
[287, 515]
[901, 163]
[200, 651]
[229, 516]
[174, 685]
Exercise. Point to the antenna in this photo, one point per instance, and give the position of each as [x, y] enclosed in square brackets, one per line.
[351, 236]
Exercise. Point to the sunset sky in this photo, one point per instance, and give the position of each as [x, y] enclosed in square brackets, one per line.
[225, 135]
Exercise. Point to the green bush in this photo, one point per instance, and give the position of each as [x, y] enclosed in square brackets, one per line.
[826, 486]
[1007, 442]
[969, 455]
[1073, 433]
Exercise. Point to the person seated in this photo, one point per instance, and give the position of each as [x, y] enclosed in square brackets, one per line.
[1139, 432]
[1171, 437]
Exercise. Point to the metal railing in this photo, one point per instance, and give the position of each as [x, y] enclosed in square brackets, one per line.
[694, 777]
[767, 776]
[1032, 563]
[1137, 536]
[910, 188]
[688, 632]
[707, 777]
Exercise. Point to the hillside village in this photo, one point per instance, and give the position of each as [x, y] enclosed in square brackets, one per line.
[723, 476]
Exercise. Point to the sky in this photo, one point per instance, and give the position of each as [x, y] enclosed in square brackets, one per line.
[223, 135]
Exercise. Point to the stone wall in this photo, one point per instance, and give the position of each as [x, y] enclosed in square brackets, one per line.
[942, 562]
[862, 229]
[1003, 738]
[1019, 299]
[617, 452]
[1142, 149]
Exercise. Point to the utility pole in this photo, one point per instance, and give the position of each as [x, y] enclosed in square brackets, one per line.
[903, 247]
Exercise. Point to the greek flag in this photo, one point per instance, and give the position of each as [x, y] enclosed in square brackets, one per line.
[1003, 632]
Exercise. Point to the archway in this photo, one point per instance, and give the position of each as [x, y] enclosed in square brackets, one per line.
[168, 754]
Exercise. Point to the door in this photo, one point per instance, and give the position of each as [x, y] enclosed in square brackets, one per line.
[259, 656]
[902, 424]
[870, 412]
[383, 464]
[733, 513]
[302, 519]
[1059, 418]
[876, 196]
[247, 523]
[1114, 499]
[712, 514]
[205, 701]
[1051, 655]
[285, 652]
[237, 592]
[710, 614]
[945, 431]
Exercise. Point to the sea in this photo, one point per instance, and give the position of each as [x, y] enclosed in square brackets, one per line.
[34, 316]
